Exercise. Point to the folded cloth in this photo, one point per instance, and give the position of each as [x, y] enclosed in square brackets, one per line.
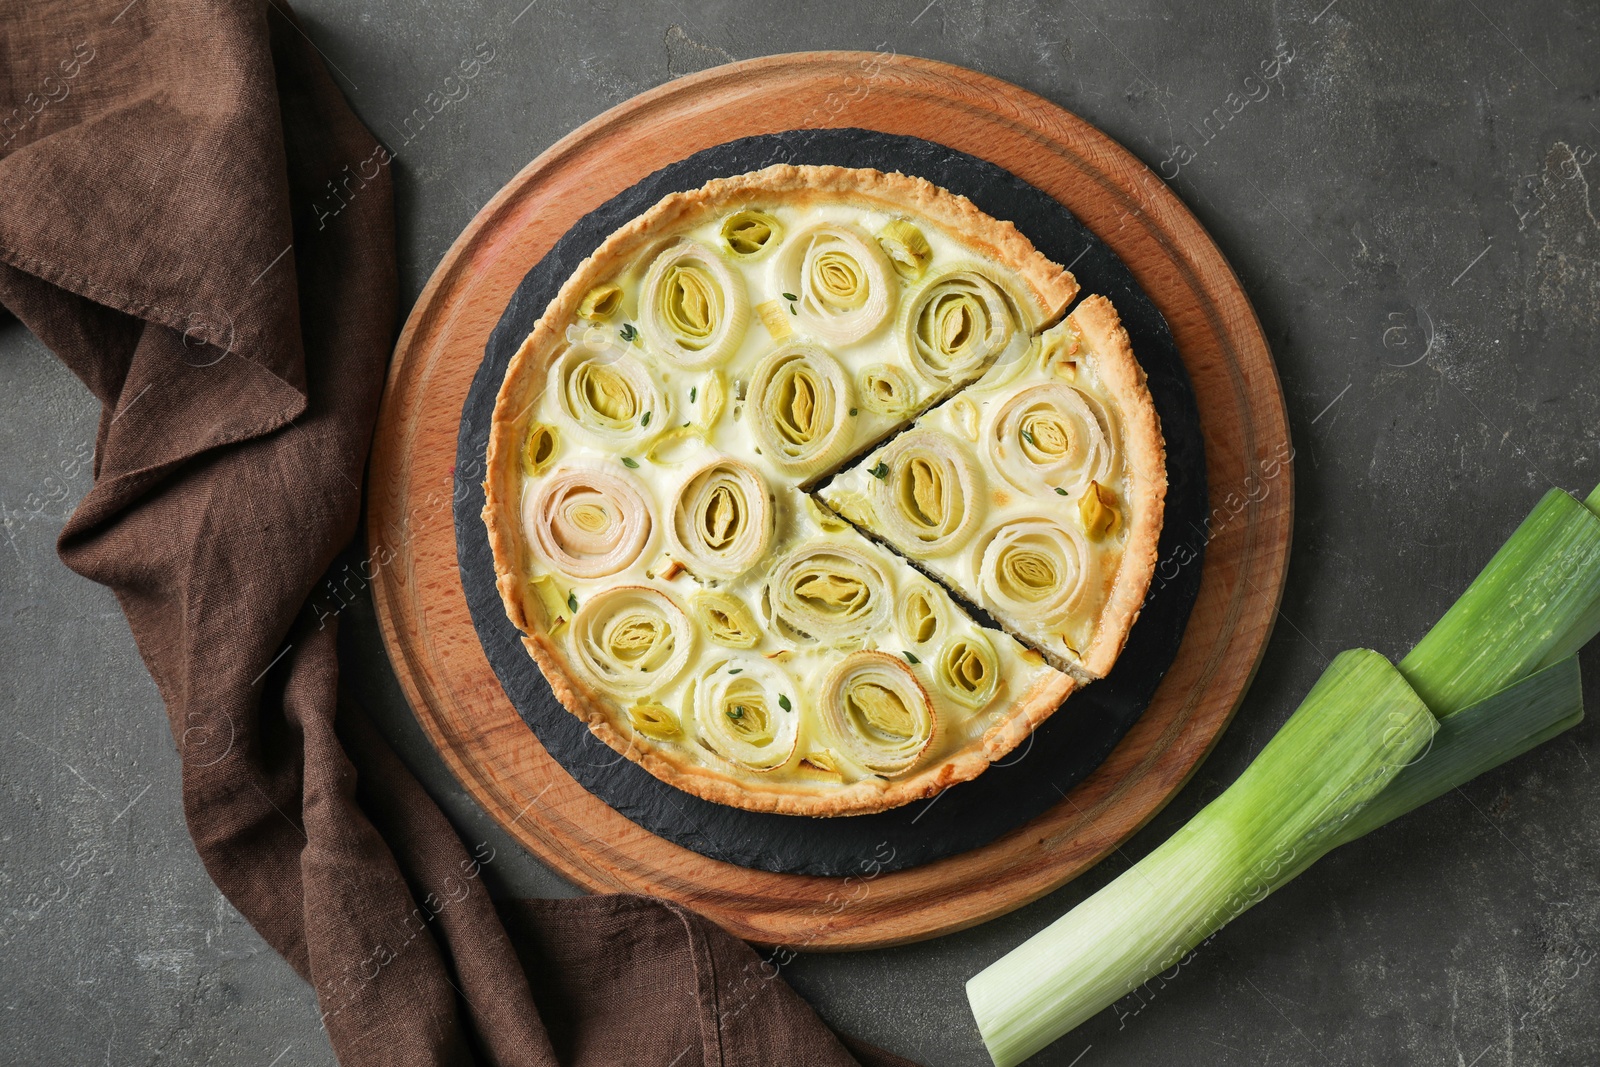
[160, 161]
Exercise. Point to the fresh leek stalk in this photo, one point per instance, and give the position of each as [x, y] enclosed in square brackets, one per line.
[1537, 602]
[1359, 726]
[1496, 676]
[1479, 738]
[1476, 739]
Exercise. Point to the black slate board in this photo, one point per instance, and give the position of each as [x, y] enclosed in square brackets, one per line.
[1060, 753]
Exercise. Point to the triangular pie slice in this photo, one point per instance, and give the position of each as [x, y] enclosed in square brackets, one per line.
[652, 448]
[1036, 493]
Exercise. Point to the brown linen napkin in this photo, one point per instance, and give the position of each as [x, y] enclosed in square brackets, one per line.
[159, 160]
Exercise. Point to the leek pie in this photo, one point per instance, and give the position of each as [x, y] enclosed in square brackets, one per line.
[764, 447]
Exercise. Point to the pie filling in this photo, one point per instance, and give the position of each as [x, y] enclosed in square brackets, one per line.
[728, 621]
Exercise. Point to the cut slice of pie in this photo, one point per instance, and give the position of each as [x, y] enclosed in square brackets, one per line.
[1036, 492]
[651, 457]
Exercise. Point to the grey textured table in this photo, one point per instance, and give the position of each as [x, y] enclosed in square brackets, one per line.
[1408, 203]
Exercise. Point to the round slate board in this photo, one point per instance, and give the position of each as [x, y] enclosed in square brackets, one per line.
[1061, 752]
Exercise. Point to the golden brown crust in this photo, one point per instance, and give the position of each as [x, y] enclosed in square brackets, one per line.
[1050, 289]
[1145, 454]
[502, 484]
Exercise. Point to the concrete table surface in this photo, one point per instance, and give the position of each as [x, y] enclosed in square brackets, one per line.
[1409, 204]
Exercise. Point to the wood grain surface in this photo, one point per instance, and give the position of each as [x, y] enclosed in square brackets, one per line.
[424, 615]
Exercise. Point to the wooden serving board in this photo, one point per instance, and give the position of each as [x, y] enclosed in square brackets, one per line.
[424, 615]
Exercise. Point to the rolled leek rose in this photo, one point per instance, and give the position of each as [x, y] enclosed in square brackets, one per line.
[877, 712]
[923, 614]
[967, 670]
[829, 592]
[1033, 569]
[799, 402]
[656, 722]
[929, 499]
[539, 449]
[751, 234]
[608, 392]
[601, 302]
[722, 519]
[631, 640]
[906, 248]
[1054, 436]
[887, 390]
[692, 309]
[842, 283]
[743, 710]
[725, 619]
[956, 324]
[587, 523]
